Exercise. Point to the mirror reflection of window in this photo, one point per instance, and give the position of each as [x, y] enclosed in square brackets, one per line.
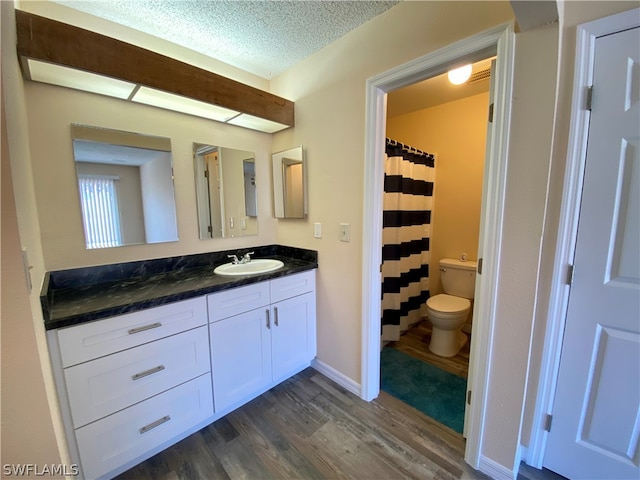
[101, 215]
[226, 197]
[141, 201]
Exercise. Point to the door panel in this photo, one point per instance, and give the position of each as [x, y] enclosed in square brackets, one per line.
[596, 414]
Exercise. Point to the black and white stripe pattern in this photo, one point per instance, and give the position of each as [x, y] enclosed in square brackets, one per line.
[407, 205]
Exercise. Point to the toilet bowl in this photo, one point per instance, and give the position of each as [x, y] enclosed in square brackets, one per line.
[450, 310]
[447, 314]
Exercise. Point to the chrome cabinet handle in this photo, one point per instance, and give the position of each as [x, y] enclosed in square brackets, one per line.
[268, 320]
[155, 424]
[146, 373]
[275, 311]
[144, 328]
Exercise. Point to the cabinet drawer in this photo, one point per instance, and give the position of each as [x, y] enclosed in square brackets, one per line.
[108, 384]
[237, 300]
[96, 339]
[115, 440]
[292, 285]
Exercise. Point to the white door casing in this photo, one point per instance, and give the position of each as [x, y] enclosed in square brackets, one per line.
[596, 413]
[501, 41]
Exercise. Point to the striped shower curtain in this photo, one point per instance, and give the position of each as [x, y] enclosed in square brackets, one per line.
[407, 205]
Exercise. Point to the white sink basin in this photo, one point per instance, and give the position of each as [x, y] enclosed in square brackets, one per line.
[260, 265]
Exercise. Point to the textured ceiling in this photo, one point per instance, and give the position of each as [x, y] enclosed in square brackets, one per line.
[261, 37]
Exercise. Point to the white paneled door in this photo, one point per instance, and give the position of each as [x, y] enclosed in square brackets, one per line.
[596, 413]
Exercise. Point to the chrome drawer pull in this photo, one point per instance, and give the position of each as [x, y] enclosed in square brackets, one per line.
[146, 373]
[146, 327]
[155, 424]
[275, 311]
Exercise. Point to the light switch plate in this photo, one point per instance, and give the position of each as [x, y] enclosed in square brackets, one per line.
[317, 230]
[345, 232]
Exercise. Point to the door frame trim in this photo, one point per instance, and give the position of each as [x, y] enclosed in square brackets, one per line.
[499, 41]
[586, 35]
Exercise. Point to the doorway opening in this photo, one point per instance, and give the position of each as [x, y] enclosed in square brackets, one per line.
[431, 223]
[497, 42]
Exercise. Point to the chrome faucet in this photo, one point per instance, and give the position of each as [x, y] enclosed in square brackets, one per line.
[247, 257]
[234, 259]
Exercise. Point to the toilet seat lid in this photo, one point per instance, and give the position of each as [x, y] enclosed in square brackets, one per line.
[448, 303]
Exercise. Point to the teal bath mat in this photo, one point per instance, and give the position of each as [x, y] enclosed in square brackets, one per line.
[436, 393]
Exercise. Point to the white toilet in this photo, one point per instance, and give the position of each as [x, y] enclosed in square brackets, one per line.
[449, 311]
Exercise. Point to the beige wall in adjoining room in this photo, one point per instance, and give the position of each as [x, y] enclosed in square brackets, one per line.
[456, 133]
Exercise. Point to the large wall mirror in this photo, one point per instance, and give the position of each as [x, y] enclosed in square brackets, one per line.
[289, 183]
[125, 183]
[225, 191]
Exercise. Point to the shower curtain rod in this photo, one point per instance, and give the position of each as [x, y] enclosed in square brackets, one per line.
[404, 146]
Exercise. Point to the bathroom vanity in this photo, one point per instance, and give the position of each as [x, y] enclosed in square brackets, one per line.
[146, 353]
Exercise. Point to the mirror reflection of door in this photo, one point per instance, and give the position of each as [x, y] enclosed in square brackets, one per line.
[216, 199]
[209, 191]
[289, 183]
[293, 188]
[225, 182]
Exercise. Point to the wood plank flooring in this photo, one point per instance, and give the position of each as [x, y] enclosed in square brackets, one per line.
[415, 342]
[308, 427]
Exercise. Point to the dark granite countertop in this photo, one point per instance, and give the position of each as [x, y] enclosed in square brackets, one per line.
[71, 297]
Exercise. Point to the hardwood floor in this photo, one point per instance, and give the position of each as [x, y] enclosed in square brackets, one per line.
[415, 342]
[311, 428]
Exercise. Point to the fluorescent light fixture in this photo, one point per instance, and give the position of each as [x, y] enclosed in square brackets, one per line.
[460, 75]
[78, 79]
[89, 82]
[177, 103]
[256, 123]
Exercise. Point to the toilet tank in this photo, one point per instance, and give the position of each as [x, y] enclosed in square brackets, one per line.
[458, 278]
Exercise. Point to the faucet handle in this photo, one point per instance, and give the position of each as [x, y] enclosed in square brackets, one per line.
[234, 259]
[247, 257]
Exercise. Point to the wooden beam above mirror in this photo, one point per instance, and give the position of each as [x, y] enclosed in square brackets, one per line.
[44, 40]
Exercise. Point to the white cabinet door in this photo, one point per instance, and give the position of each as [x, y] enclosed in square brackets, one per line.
[240, 356]
[293, 336]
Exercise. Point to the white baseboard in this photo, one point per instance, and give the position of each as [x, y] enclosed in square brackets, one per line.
[495, 470]
[338, 377]
[524, 455]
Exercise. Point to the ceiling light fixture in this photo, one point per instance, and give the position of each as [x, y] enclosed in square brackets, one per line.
[459, 75]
